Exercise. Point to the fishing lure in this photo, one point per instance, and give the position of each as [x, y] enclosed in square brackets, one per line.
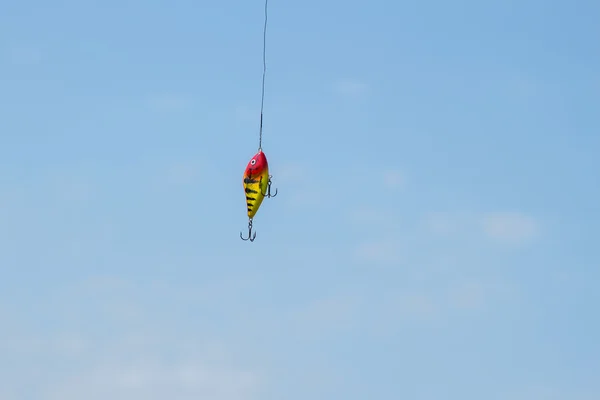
[257, 181]
[257, 186]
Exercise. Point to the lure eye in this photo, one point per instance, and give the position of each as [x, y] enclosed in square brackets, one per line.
[252, 162]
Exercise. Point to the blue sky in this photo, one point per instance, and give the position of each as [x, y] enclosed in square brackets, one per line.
[435, 233]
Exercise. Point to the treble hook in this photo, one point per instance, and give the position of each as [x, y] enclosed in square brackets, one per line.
[268, 194]
[250, 237]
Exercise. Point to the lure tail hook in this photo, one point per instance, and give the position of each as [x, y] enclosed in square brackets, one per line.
[268, 194]
[250, 237]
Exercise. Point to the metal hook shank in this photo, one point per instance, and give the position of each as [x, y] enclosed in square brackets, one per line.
[250, 237]
[268, 194]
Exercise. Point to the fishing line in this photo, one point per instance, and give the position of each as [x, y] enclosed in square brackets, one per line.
[262, 100]
[257, 180]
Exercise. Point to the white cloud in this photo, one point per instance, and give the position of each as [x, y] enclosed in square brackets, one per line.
[501, 227]
[394, 179]
[433, 299]
[445, 224]
[62, 345]
[142, 365]
[149, 379]
[416, 304]
[546, 390]
[467, 295]
[351, 87]
[332, 312]
[383, 251]
[509, 227]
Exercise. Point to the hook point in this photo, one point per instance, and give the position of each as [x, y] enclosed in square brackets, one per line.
[250, 236]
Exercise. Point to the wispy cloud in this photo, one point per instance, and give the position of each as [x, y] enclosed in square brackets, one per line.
[152, 378]
[383, 251]
[394, 178]
[509, 227]
[540, 390]
[416, 304]
[62, 345]
[445, 223]
[351, 87]
[385, 310]
[500, 227]
[467, 295]
[433, 300]
[140, 361]
[331, 313]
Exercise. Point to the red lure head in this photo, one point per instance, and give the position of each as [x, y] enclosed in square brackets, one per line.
[257, 164]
